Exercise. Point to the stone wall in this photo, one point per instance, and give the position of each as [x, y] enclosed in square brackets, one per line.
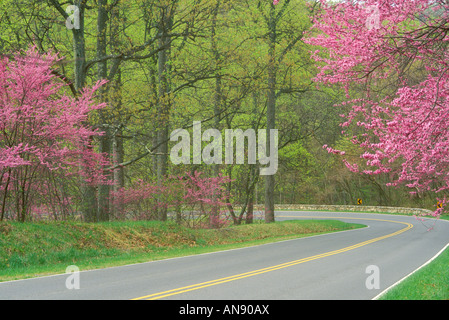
[349, 208]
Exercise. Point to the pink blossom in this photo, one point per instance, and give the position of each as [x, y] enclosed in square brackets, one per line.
[43, 132]
[195, 197]
[405, 132]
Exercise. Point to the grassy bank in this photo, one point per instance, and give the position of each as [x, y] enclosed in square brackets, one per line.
[33, 249]
[429, 283]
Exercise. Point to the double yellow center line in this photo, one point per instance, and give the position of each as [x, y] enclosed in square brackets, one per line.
[210, 283]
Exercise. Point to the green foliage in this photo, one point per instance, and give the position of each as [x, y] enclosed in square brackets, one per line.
[216, 72]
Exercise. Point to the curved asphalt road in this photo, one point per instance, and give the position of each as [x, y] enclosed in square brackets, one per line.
[331, 266]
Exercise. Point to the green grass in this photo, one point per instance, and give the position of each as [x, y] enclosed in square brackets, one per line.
[43, 248]
[429, 283]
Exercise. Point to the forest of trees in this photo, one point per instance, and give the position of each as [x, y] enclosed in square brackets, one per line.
[139, 69]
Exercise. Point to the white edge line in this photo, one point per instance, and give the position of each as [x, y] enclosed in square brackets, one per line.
[401, 280]
[422, 266]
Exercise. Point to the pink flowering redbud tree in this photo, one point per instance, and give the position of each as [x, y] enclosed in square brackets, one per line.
[205, 198]
[191, 199]
[138, 201]
[44, 139]
[397, 52]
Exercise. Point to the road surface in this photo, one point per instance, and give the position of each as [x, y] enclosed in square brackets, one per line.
[354, 264]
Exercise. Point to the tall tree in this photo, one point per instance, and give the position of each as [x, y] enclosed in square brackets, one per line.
[276, 54]
[75, 22]
[167, 11]
[102, 74]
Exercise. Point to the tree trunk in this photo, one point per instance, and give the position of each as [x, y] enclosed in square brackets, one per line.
[215, 214]
[118, 152]
[271, 113]
[89, 203]
[119, 174]
[250, 208]
[115, 103]
[163, 102]
[104, 143]
[79, 49]
[5, 193]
